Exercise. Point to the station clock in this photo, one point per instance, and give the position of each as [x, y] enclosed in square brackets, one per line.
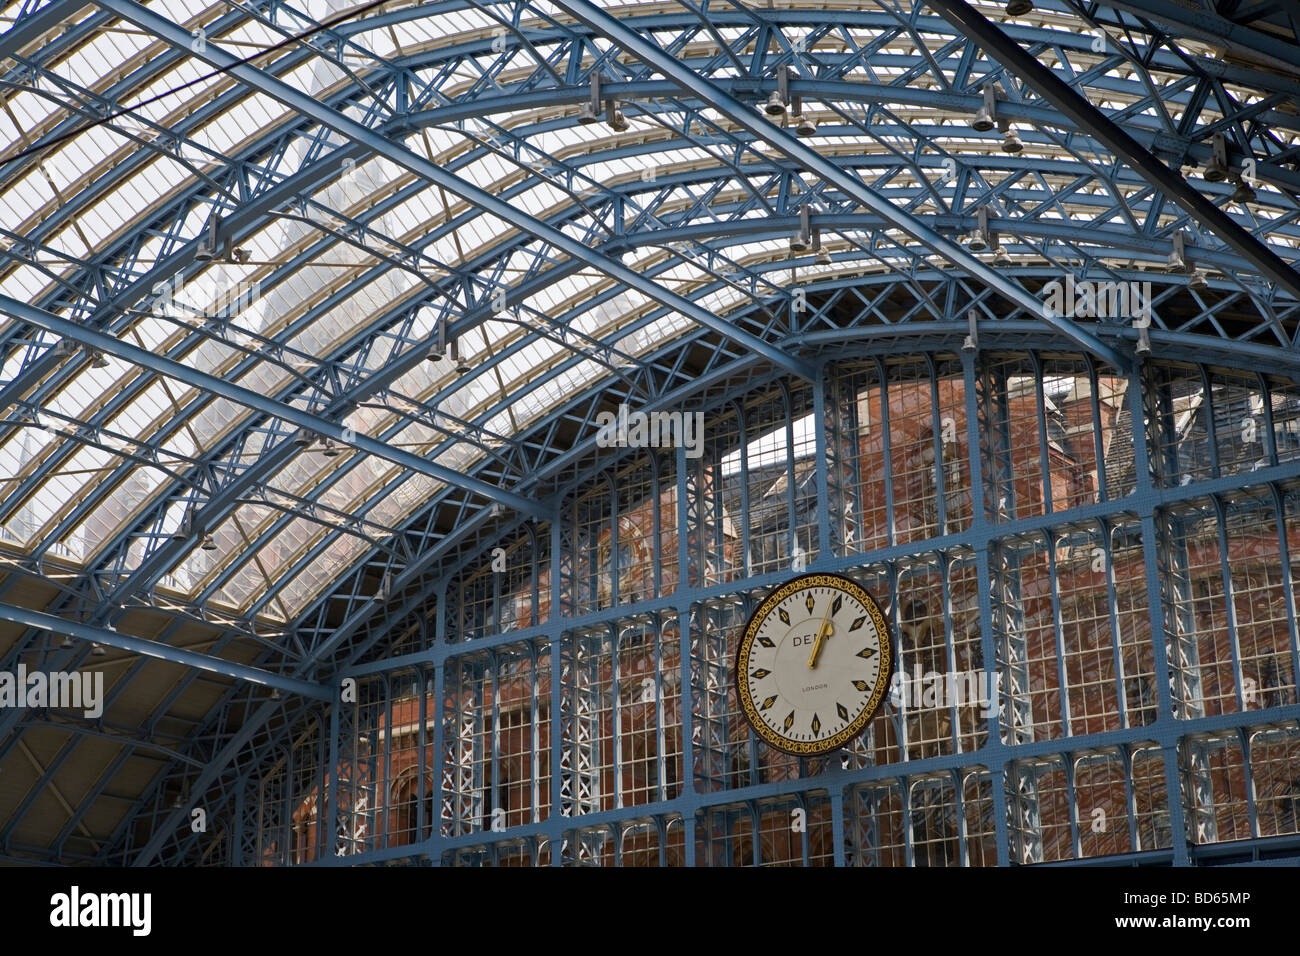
[813, 664]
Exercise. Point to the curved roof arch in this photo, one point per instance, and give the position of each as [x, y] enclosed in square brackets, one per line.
[641, 262]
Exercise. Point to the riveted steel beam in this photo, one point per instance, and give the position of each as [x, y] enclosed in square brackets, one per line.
[747, 118]
[164, 652]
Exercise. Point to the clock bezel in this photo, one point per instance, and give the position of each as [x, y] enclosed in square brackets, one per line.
[765, 609]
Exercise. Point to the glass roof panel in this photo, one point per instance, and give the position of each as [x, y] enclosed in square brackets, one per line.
[538, 158]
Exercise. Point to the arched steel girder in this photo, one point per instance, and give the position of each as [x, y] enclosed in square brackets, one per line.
[832, 334]
[960, 327]
[750, 226]
[89, 504]
[1239, 35]
[838, 90]
[682, 384]
[73, 206]
[76, 655]
[1211, 259]
[445, 393]
[1037, 76]
[1044, 82]
[920, 161]
[1109, 237]
[1189, 344]
[171, 830]
[805, 335]
[1179, 344]
[901, 92]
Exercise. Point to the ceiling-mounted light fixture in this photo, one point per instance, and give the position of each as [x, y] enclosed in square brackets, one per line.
[801, 241]
[597, 102]
[304, 437]
[212, 244]
[804, 125]
[1018, 8]
[462, 366]
[776, 102]
[438, 344]
[980, 237]
[330, 450]
[97, 359]
[1178, 255]
[823, 254]
[1198, 280]
[590, 111]
[614, 116]
[185, 530]
[987, 115]
[1011, 140]
[972, 341]
[1143, 348]
[1244, 193]
[1216, 170]
[1001, 257]
[208, 543]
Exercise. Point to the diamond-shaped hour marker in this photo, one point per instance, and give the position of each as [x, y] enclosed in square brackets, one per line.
[810, 602]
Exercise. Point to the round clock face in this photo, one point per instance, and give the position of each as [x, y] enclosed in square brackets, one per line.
[813, 664]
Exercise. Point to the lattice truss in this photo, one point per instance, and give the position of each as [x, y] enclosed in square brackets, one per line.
[232, 233]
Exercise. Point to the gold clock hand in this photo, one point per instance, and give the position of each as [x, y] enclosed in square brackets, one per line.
[822, 632]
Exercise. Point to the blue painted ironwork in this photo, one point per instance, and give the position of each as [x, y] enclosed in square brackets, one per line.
[545, 66]
[161, 651]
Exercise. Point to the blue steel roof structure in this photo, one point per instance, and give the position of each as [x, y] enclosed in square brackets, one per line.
[230, 233]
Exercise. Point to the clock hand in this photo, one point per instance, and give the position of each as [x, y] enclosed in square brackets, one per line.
[822, 633]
